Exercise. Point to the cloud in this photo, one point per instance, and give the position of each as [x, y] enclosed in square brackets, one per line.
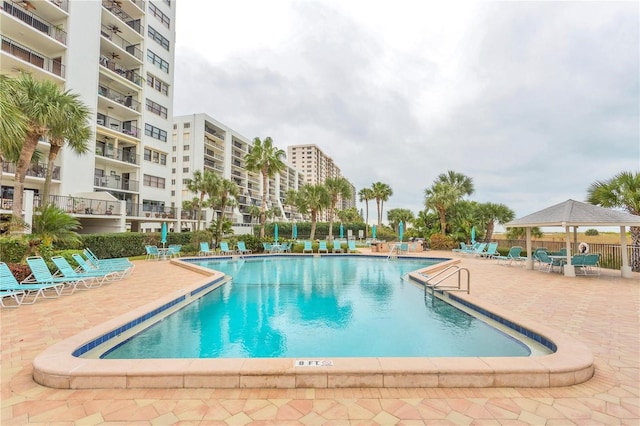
[533, 100]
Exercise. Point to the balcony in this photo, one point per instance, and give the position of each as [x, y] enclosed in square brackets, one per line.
[35, 170]
[125, 155]
[112, 6]
[125, 127]
[116, 182]
[111, 33]
[62, 4]
[129, 74]
[26, 55]
[31, 19]
[122, 99]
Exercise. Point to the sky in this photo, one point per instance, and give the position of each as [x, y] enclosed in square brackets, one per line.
[534, 101]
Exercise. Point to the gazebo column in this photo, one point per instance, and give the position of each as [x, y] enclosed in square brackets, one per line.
[625, 269]
[568, 268]
[529, 262]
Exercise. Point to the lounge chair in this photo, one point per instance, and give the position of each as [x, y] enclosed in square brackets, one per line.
[118, 263]
[267, 247]
[242, 248]
[41, 276]
[512, 256]
[205, 250]
[285, 248]
[224, 248]
[337, 246]
[174, 250]
[152, 252]
[9, 287]
[322, 246]
[351, 247]
[546, 263]
[118, 271]
[492, 251]
[307, 247]
[88, 278]
[463, 247]
[586, 264]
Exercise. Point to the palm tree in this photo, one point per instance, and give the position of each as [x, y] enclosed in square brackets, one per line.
[447, 189]
[13, 122]
[71, 124]
[313, 199]
[381, 192]
[51, 225]
[337, 187]
[490, 213]
[267, 159]
[395, 216]
[621, 191]
[39, 102]
[202, 183]
[226, 193]
[365, 195]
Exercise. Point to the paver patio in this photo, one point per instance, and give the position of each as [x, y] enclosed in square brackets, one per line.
[602, 312]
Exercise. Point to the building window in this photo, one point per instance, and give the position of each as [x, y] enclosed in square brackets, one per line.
[186, 181]
[163, 159]
[156, 108]
[174, 160]
[173, 181]
[147, 154]
[174, 148]
[185, 148]
[156, 157]
[164, 19]
[160, 86]
[185, 170]
[157, 61]
[159, 38]
[173, 171]
[153, 181]
[155, 132]
[187, 125]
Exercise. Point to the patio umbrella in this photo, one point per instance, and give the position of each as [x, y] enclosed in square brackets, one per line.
[275, 233]
[473, 234]
[400, 230]
[294, 235]
[163, 234]
[341, 231]
[373, 232]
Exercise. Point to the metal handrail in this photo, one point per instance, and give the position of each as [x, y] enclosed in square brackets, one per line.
[447, 273]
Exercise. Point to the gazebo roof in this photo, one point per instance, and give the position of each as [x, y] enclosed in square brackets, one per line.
[575, 213]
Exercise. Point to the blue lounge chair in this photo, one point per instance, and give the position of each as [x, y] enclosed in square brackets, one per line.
[9, 287]
[492, 251]
[242, 248]
[546, 263]
[267, 247]
[224, 248]
[285, 247]
[307, 247]
[205, 250]
[174, 250]
[88, 279]
[337, 246]
[42, 277]
[587, 264]
[351, 247]
[118, 271]
[322, 246]
[119, 263]
[512, 256]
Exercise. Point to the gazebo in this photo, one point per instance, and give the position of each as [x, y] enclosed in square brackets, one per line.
[573, 214]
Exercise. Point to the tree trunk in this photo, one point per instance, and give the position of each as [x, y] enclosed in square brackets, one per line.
[314, 218]
[443, 221]
[263, 207]
[379, 211]
[366, 220]
[54, 149]
[331, 222]
[489, 235]
[28, 148]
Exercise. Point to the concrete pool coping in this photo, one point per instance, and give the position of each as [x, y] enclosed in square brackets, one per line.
[56, 367]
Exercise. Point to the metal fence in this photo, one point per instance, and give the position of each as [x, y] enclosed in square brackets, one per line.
[610, 254]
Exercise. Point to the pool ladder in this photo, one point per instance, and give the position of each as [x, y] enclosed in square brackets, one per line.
[436, 282]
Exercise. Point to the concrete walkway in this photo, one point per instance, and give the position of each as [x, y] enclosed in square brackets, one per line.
[602, 312]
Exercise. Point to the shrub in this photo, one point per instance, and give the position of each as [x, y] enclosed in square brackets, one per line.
[592, 233]
[442, 242]
[21, 272]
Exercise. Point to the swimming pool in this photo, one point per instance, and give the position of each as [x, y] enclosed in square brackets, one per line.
[331, 306]
[61, 366]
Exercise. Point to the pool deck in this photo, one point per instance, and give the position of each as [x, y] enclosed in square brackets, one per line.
[603, 313]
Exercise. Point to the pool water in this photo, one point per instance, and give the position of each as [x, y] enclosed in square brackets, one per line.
[331, 306]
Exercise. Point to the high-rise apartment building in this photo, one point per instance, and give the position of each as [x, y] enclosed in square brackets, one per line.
[317, 167]
[199, 142]
[118, 56]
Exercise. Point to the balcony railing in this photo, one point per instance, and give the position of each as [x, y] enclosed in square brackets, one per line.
[32, 57]
[130, 74]
[112, 7]
[34, 170]
[145, 210]
[116, 182]
[80, 205]
[16, 10]
[122, 99]
[111, 34]
[120, 154]
[124, 127]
